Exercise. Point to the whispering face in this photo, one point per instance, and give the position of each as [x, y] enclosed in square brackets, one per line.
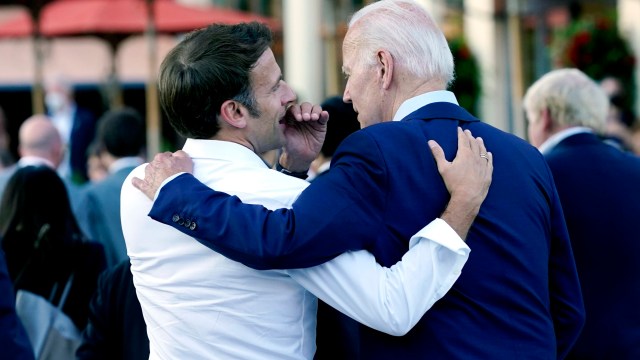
[273, 96]
[364, 84]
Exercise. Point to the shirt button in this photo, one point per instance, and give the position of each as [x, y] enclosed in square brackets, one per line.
[175, 218]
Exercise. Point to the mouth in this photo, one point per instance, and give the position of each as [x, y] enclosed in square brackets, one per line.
[288, 118]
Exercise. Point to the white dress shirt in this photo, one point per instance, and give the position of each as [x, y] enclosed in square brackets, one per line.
[416, 102]
[199, 304]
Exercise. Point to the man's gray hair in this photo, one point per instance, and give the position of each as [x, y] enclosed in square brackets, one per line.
[572, 98]
[409, 33]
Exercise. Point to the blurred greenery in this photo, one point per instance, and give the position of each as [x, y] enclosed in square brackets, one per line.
[466, 84]
[595, 46]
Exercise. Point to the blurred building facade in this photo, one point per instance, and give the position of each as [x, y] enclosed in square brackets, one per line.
[511, 40]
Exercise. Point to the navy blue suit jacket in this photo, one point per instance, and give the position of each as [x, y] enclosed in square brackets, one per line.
[599, 188]
[518, 296]
[82, 134]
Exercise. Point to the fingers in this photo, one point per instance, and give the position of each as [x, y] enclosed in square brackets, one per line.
[473, 144]
[324, 117]
[438, 154]
[308, 112]
[143, 186]
[138, 183]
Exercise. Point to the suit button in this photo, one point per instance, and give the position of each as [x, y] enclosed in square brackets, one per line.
[193, 226]
[187, 222]
[175, 218]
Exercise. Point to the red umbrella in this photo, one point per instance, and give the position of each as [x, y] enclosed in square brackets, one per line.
[73, 17]
[114, 20]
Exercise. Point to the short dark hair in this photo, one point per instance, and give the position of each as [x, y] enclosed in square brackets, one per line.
[208, 67]
[121, 132]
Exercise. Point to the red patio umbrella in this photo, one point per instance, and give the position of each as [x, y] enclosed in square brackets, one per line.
[75, 17]
[114, 20]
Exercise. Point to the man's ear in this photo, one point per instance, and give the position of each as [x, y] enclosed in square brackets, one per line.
[385, 70]
[234, 114]
[547, 120]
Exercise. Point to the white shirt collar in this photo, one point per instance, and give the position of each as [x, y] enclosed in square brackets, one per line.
[35, 161]
[416, 102]
[222, 150]
[556, 138]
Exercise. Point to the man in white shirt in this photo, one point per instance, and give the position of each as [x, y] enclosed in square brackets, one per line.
[223, 90]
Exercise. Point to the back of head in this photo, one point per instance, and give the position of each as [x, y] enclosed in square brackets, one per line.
[208, 67]
[571, 97]
[343, 121]
[407, 30]
[35, 205]
[39, 137]
[121, 132]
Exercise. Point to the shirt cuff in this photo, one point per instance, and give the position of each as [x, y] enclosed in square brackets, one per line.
[166, 181]
[441, 233]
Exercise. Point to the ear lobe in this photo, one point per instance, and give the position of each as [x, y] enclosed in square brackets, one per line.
[385, 61]
[547, 121]
[232, 113]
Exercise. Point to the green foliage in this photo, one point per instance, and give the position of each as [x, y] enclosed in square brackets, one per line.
[595, 46]
[466, 84]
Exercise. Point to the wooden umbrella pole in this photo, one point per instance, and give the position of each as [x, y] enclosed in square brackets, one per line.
[154, 128]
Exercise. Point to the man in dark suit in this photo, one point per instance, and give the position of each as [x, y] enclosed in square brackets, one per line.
[519, 295]
[598, 188]
[116, 327]
[77, 126]
[121, 139]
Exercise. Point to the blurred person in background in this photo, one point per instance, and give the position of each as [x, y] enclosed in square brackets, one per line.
[620, 121]
[6, 158]
[14, 342]
[39, 143]
[76, 125]
[598, 186]
[96, 169]
[116, 328]
[344, 121]
[121, 145]
[43, 244]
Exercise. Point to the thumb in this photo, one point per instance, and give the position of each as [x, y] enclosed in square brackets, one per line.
[181, 153]
[438, 153]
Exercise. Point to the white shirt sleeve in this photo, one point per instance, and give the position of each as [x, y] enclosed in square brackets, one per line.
[391, 300]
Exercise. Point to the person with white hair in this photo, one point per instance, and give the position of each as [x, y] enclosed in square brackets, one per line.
[598, 189]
